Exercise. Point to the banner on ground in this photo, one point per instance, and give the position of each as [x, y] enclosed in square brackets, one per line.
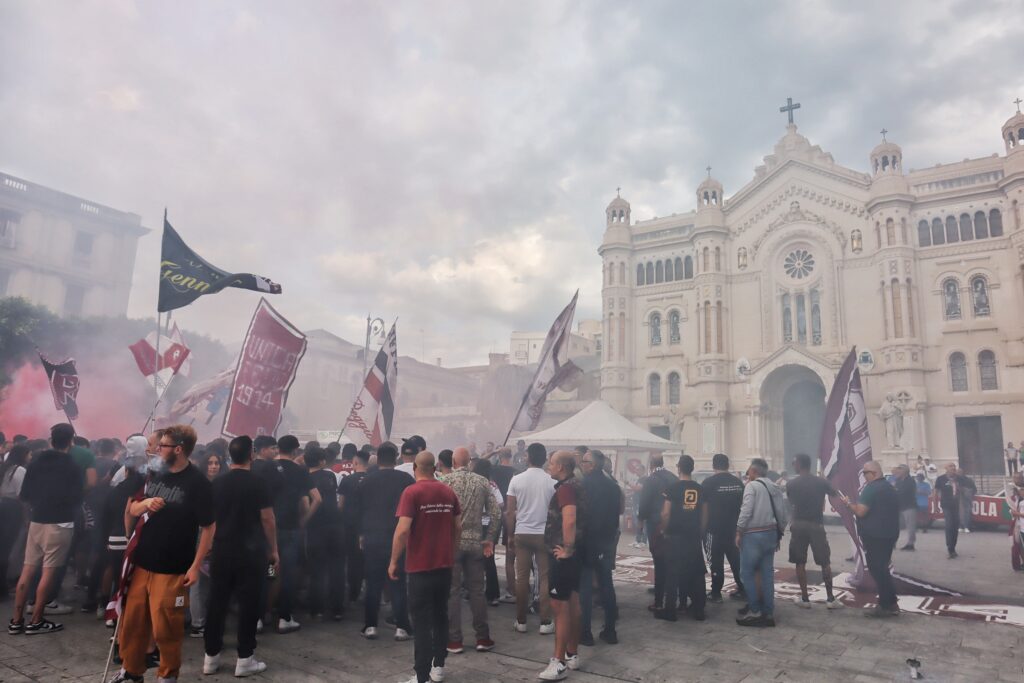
[846, 446]
[553, 368]
[185, 276]
[63, 379]
[373, 412]
[266, 369]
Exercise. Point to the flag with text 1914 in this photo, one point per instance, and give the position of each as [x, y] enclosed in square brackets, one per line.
[553, 368]
[846, 446]
[373, 412]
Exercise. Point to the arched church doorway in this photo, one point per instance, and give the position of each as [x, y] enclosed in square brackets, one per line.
[793, 405]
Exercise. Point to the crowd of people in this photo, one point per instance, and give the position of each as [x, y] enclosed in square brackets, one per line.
[290, 531]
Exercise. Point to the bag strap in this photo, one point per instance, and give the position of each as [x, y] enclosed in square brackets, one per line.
[771, 502]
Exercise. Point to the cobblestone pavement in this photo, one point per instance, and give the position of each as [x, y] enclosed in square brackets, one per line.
[807, 645]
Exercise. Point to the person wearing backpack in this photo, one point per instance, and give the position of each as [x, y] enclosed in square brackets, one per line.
[759, 531]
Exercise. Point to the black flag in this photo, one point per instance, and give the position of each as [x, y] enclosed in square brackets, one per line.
[63, 384]
[185, 276]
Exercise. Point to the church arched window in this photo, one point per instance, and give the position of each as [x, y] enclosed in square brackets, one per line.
[987, 371]
[674, 335]
[966, 228]
[958, 372]
[611, 336]
[655, 325]
[669, 271]
[890, 231]
[815, 317]
[688, 268]
[924, 234]
[938, 233]
[706, 253]
[719, 329]
[909, 289]
[980, 225]
[654, 390]
[650, 273]
[995, 223]
[673, 388]
[622, 273]
[979, 297]
[640, 274]
[903, 232]
[707, 327]
[622, 336]
[659, 272]
[897, 308]
[801, 319]
[718, 259]
[679, 268]
[787, 319]
[952, 230]
[951, 299]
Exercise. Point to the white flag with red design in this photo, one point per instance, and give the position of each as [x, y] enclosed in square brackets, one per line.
[373, 412]
[174, 357]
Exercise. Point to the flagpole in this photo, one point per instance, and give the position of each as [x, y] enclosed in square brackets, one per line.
[522, 403]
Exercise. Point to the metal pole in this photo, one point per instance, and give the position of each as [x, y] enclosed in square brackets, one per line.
[366, 346]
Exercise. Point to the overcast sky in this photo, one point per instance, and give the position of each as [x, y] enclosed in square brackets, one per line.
[449, 163]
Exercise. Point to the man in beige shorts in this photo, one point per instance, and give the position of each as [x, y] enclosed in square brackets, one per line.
[53, 491]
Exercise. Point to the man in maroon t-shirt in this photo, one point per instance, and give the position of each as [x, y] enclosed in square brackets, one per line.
[428, 529]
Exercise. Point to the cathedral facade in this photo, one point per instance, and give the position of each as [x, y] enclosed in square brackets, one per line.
[724, 327]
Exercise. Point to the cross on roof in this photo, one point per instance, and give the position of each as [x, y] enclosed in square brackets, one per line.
[883, 132]
[617, 191]
[1017, 102]
[789, 108]
[708, 169]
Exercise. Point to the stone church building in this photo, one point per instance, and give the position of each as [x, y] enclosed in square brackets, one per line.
[724, 326]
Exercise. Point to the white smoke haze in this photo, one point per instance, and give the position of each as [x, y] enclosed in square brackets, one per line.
[448, 163]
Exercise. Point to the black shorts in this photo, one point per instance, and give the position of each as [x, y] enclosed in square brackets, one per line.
[563, 577]
[803, 534]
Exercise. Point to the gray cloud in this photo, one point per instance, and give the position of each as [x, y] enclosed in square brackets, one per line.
[448, 163]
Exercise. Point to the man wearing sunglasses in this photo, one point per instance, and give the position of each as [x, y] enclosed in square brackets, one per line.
[878, 525]
[178, 503]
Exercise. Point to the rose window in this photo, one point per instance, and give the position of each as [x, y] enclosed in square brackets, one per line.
[799, 264]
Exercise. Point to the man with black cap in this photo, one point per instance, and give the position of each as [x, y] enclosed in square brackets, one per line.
[244, 543]
[410, 447]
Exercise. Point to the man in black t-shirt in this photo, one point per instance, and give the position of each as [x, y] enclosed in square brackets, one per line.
[348, 504]
[178, 504]
[948, 489]
[878, 525]
[294, 503]
[684, 519]
[806, 494]
[502, 474]
[379, 494]
[52, 489]
[243, 545]
[906, 489]
[325, 548]
[723, 497]
[605, 505]
[652, 496]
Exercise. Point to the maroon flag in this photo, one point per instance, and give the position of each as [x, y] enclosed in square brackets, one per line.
[116, 605]
[553, 368]
[373, 412]
[846, 446]
[63, 379]
[266, 369]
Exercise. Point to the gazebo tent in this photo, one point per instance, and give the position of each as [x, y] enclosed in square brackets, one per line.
[599, 426]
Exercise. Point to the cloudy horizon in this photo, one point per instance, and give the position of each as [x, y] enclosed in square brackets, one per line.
[448, 164]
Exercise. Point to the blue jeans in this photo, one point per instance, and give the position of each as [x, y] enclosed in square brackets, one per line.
[757, 554]
[599, 562]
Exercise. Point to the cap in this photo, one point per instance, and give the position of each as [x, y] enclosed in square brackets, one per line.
[414, 444]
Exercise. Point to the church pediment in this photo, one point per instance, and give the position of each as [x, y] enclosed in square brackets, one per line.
[794, 354]
[797, 215]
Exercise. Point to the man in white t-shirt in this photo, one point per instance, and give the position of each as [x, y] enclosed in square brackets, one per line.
[526, 513]
[410, 447]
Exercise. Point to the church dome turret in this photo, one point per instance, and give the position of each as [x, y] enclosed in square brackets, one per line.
[1013, 131]
[886, 158]
[617, 217]
[709, 193]
[618, 210]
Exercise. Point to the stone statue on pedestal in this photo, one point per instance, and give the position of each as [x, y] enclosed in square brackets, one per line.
[891, 414]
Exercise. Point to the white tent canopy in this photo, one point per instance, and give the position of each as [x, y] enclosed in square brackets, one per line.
[599, 426]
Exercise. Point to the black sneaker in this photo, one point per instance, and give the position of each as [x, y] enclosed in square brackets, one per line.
[715, 597]
[666, 615]
[197, 632]
[953, 555]
[768, 621]
[743, 611]
[153, 659]
[16, 628]
[751, 619]
[587, 639]
[87, 608]
[610, 637]
[738, 595]
[698, 616]
[44, 626]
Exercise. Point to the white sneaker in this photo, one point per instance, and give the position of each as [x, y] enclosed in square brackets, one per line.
[287, 626]
[248, 666]
[508, 598]
[572, 662]
[259, 626]
[211, 663]
[101, 612]
[519, 627]
[401, 635]
[437, 674]
[54, 607]
[834, 604]
[556, 671]
[370, 633]
[801, 603]
[967, 531]
[547, 629]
